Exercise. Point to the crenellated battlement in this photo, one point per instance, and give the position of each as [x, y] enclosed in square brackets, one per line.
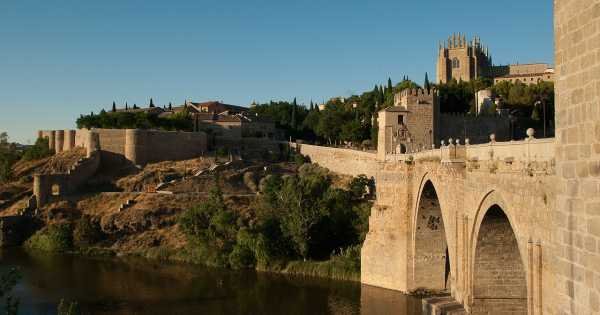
[419, 92]
[409, 97]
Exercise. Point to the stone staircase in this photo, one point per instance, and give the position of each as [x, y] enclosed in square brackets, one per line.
[442, 305]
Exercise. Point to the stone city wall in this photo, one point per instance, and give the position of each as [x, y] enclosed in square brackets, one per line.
[342, 161]
[135, 145]
[148, 146]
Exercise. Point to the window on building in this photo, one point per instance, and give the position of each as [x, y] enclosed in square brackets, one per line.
[400, 119]
[455, 63]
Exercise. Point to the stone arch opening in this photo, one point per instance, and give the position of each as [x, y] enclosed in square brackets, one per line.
[431, 262]
[499, 280]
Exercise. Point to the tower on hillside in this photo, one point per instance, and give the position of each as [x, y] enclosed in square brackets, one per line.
[464, 60]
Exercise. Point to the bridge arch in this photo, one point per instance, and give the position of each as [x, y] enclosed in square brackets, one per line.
[499, 278]
[431, 263]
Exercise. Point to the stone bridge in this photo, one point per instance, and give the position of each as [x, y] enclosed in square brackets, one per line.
[470, 220]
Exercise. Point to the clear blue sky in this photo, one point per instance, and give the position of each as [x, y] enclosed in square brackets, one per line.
[62, 58]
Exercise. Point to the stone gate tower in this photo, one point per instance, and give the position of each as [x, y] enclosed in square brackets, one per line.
[464, 60]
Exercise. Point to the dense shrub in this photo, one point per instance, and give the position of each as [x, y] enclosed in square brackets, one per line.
[294, 216]
[8, 157]
[213, 225]
[52, 238]
[87, 232]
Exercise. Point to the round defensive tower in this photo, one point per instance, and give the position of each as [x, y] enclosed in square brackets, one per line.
[59, 141]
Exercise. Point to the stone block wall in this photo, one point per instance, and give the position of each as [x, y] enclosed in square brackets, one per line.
[137, 146]
[65, 183]
[576, 238]
[148, 146]
[59, 140]
[342, 161]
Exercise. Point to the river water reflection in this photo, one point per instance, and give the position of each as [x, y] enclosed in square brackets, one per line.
[139, 286]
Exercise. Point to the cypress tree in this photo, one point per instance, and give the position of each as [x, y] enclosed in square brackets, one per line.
[151, 103]
[135, 106]
[293, 120]
[126, 106]
[170, 106]
[389, 85]
[381, 95]
[427, 85]
[114, 107]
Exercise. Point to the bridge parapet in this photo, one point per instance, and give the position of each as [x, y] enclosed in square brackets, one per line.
[526, 151]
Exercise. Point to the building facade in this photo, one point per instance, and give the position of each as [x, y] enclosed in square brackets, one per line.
[528, 73]
[464, 60]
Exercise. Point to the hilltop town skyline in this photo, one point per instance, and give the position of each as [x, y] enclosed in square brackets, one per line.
[344, 50]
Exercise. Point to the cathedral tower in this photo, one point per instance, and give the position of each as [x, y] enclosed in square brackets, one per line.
[462, 60]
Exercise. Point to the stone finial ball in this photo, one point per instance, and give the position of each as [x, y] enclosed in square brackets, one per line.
[530, 132]
[493, 137]
[443, 142]
[450, 141]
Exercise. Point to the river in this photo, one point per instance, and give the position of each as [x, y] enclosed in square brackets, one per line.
[139, 286]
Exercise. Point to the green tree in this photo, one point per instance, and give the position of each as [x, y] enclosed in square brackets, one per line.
[114, 107]
[151, 103]
[300, 195]
[39, 150]
[426, 84]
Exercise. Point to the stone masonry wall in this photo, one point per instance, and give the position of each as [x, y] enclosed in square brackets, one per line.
[576, 250]
[342, 161]
[147, 146]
